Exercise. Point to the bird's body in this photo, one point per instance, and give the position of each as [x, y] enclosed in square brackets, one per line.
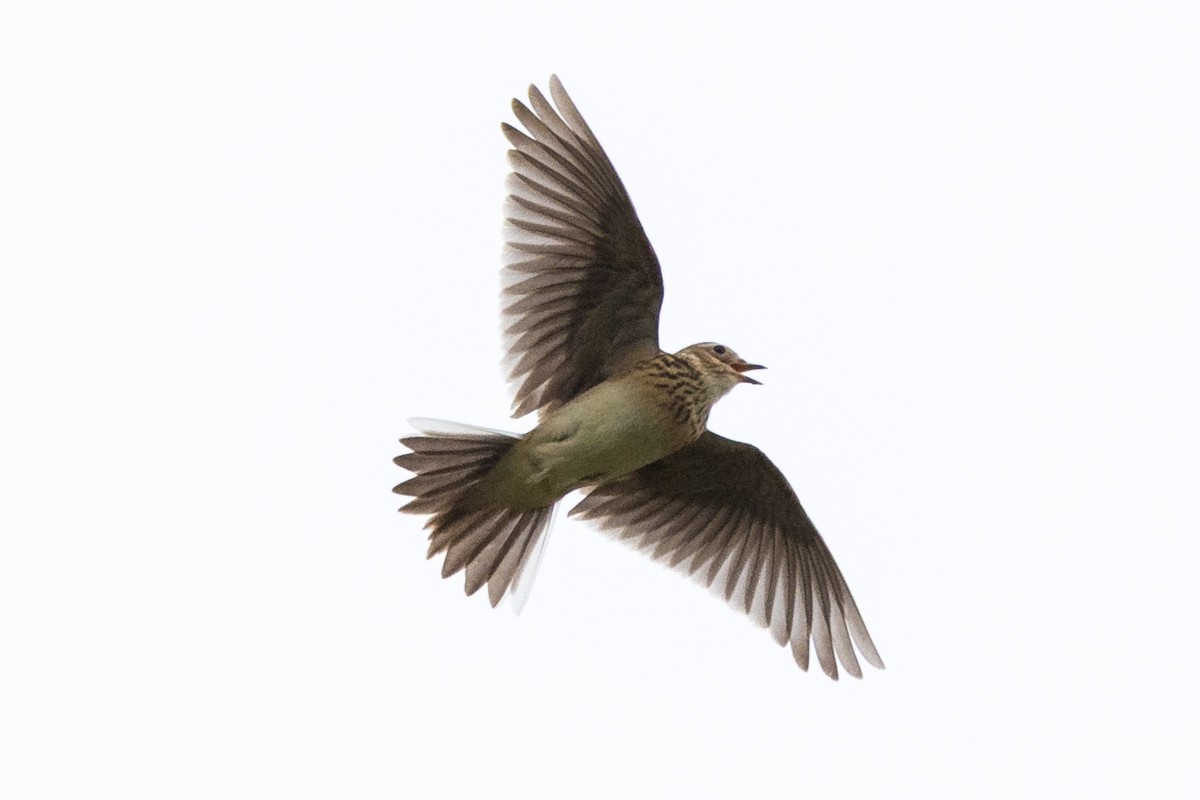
[619, 418]
[641, 416]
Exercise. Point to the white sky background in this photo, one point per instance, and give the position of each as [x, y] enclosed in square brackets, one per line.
[242, 243]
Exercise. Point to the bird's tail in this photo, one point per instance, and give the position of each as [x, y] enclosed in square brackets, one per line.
[497, 546]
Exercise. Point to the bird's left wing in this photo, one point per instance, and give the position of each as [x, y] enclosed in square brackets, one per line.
[720, 511]
[582, 286]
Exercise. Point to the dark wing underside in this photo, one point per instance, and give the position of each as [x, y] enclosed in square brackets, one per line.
[581, 284]
[720, 511]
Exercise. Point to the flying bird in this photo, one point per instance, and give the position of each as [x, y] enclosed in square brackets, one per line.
[618, 418]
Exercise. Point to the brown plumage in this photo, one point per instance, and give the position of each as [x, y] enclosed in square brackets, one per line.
[618, 418]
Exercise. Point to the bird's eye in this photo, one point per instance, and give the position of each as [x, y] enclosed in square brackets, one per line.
[719, 349]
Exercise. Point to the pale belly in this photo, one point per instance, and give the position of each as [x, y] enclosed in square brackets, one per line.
[603, 434]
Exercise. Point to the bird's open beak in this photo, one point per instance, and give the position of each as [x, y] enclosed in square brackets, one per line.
[742, 366]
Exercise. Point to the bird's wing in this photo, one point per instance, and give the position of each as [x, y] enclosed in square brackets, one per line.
[582, 286]
[720, 511]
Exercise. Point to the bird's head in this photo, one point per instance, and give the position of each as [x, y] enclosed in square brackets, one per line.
[719, 364]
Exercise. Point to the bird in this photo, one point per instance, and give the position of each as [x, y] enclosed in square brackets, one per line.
[619, 418]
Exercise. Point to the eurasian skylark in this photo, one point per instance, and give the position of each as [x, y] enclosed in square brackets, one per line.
[618, 417]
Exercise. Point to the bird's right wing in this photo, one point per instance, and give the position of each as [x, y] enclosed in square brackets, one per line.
[582, 286]
[720, 511]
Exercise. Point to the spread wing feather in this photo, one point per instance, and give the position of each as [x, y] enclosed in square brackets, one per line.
[721, 512]
[582, 287]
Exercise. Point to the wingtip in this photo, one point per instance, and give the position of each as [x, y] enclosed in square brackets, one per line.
[872, 656]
